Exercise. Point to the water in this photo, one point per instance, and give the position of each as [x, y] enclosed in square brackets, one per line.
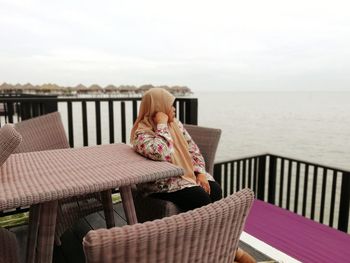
[311, 126]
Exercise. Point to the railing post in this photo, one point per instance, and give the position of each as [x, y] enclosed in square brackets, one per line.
[261, 177]
[31, 109]
[343, 219]
[98, 122]
[70, 124]
[26, 110]
[191, 116]
[50, 106]
[217, 173]
[123, 121]
[272, 180]
[10, 111]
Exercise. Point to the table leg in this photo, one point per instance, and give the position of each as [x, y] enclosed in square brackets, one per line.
[33, 226]
[106, 197]
[128, 204]
[46, 233]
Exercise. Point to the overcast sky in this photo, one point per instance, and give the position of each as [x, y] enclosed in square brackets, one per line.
[206, 45]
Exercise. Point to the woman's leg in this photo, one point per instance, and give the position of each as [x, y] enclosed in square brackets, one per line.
[215, 191]
[243, 257]
[186, 199]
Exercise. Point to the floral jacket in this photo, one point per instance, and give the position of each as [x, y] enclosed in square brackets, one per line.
[159, 147]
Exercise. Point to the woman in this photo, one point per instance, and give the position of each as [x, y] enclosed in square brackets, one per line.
[158, 135]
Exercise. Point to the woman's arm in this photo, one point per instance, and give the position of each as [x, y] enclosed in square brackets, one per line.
[157, 147]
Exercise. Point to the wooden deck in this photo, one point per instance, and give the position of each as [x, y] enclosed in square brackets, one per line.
[71, 249]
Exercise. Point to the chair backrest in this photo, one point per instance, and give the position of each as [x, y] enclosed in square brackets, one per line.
[45, 132]
[207, 140]
[9, 141]
[206, 234]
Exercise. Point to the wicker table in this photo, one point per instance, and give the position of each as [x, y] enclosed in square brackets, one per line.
[40, 179]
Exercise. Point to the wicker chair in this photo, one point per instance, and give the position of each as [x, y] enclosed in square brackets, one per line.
[148, 208]
[9, 140]
[47, 133]
[206, 234]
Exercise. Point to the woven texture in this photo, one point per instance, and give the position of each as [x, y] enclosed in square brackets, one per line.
[45, 176]
[36, 177]
[8, 247]
[47, 133]
[207, 140]
[9, 141]
[42, 133]
[148, 208]
[207, 234]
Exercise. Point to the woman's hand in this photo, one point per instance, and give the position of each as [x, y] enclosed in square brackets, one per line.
[160, 118]
[203, 182]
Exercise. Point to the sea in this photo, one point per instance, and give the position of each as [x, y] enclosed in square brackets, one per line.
[312, 126]
[309, 126]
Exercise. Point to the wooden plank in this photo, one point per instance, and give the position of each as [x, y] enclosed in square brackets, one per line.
[118, 221]
[95, 221]
[118, 208]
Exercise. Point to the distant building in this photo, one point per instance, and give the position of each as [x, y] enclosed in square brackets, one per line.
[93, 90]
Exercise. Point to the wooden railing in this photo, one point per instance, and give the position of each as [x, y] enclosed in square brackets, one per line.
[107, 120]
[312, 190]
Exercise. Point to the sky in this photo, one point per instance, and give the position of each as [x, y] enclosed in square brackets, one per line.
[205, 45]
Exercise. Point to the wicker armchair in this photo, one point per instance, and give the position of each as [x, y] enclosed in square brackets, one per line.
[148, 208]
[9, 140]
[206, 234]
[47, 133]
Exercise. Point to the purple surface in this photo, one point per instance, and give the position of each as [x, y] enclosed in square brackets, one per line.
[297, 236]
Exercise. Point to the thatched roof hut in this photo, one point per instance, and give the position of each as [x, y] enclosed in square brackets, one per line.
[96, 88]
[111, 89]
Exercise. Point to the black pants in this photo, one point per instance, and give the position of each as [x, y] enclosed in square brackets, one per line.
[192, 197]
